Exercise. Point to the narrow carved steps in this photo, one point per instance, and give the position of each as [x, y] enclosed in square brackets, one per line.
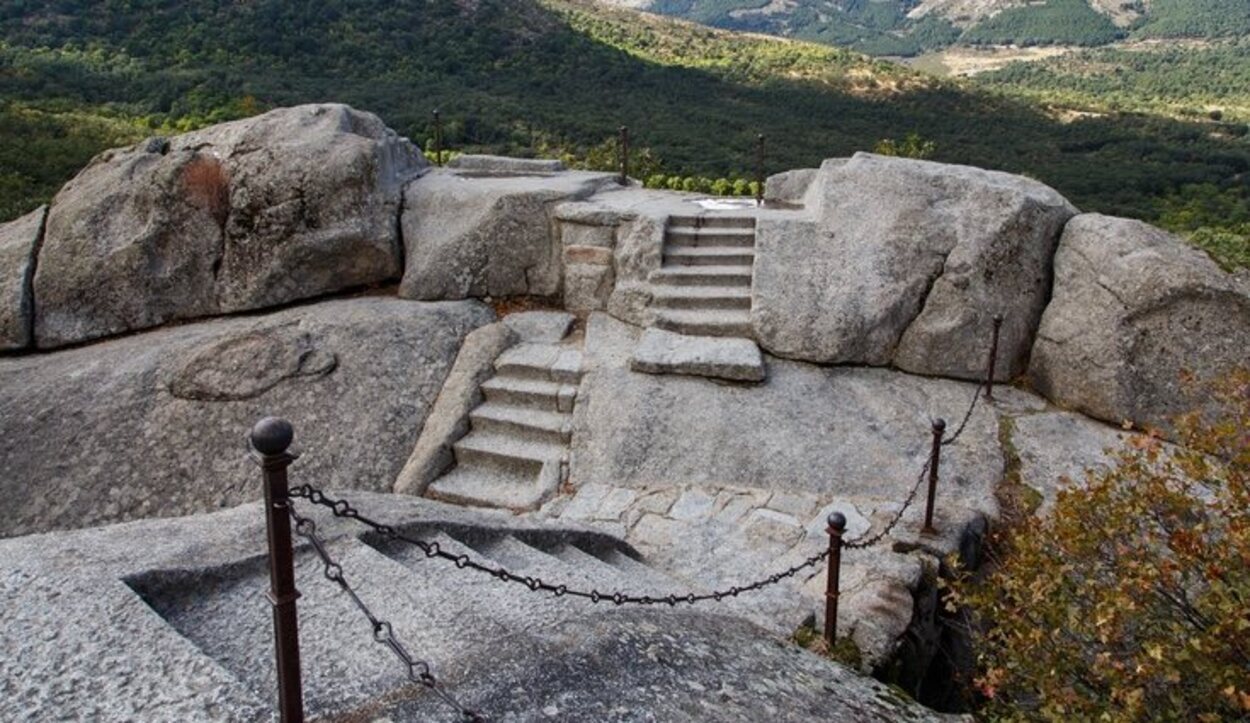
[515, 454]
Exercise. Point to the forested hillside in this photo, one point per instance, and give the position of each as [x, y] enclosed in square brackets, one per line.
[526, 76]
[909, 27]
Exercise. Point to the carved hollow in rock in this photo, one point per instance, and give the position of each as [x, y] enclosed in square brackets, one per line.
[247, 366]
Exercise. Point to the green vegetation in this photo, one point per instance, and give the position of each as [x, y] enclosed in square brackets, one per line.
[1195, 19]
[1175, 80]
[549, 77]
[1128, 601]
[1053, 22]
[1214, 219]
[913, 146]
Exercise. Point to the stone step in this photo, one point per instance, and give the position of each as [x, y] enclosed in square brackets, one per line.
[528, 361]
[713, 221]
[507, 604]
[708, 256]
[507, 452]
[528, 560]
[709, 322]
[692, 236]
[702, 276]
[701, 297]
[664, 352]
[522, 422]
[604, 575]
[530, 393]
[221, 614]
[642, 576]
[490, 485]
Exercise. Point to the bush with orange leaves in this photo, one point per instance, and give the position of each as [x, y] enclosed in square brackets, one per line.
[1131, 601]
[207, 185]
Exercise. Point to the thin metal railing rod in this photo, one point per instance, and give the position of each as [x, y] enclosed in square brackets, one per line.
[269, 442]
[836, 526]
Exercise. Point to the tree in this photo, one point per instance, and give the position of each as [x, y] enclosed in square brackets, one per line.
[1129, 601]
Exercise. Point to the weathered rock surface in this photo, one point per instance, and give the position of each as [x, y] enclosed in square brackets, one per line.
[19, 242]
[871, 426]
[469, 235]
[789, 188]
[448, 420]
[160, 620]
[1056, 446]
[666, 352]
[152, 425]
[289, 205]
[1135, 312]
[905, 264]
[504, 164]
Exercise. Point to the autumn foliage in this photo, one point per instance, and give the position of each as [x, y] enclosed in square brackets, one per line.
[1131, 601]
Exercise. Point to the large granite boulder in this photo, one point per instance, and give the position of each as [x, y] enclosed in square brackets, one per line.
[905, 263]
[288, 205]
[470, 234]
[1140, 322]
[19, 244]
[153, 424]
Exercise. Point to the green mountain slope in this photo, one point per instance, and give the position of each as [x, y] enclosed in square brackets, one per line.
[908, 27]
[520, 76]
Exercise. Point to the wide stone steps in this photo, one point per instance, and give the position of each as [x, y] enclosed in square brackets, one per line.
[690, 236]
[708, 256]
[701, 297]
[704, 322]
[717, 222]
[739, 276]
[440, 613]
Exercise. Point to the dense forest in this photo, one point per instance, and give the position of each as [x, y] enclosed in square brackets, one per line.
[550, 76]
[1210, 80]
[888, 27]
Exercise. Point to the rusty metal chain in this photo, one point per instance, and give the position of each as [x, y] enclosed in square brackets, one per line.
[416, 670]
[976, 398]
[862, 543]
[344, 509]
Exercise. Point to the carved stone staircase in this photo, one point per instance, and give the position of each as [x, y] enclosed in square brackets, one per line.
[701, 302]
[516, 452]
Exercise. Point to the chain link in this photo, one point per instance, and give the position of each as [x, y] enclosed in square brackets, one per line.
[416, 670]
[344, 509]
[976, 398]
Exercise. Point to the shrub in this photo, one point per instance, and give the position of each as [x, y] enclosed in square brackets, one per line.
[1129, 601]
[913, 146]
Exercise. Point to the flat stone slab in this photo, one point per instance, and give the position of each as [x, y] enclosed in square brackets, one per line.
[540, 326]
[502, 164]
[666, 352]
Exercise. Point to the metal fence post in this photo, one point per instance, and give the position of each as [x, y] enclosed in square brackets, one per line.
[438, 138]
[837, 525]
[623, 150]
[935, 459]
[270, 439]
[989, 375]
[759, 170]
